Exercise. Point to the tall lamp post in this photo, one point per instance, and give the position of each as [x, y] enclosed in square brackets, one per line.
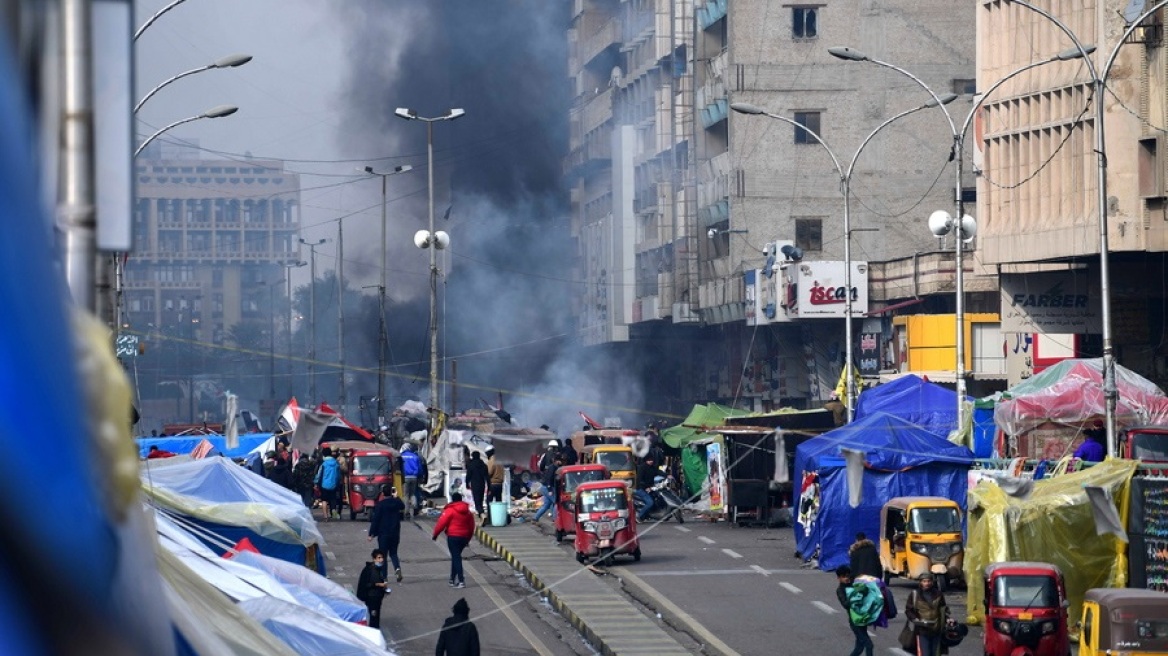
[431, 238]
[382, 330]
[1098, 83]
[312, 317]
[845, 176]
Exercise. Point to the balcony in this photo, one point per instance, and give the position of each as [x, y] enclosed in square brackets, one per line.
[591, 45]
[597, 109]
[593, 154]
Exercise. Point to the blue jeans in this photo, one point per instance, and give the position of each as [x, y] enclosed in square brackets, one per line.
[456, 545]
[928, 645]
[863, 640]
[647, 500]
[549, 503]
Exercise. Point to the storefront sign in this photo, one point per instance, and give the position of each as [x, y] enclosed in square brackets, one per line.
[1050, 302]
[822, 291]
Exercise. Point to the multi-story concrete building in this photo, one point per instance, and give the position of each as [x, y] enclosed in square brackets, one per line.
[678, 203]
[1040, 220]
[211, 238]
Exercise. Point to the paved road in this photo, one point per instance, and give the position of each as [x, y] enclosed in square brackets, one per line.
[744, 587]
[510, 618]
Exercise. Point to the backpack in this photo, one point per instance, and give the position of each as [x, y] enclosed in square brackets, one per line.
[865, 602]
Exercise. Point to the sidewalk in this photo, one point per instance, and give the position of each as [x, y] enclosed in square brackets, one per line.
[601, 614]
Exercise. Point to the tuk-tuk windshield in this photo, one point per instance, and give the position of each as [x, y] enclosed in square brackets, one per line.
[574, 479]
[1021, 591]
[370, 465]
[1152, 447]
[934, 520]
[615, 460]
[1151, 633]
[608, 499]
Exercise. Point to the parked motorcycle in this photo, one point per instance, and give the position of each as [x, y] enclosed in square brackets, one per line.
[664, 500]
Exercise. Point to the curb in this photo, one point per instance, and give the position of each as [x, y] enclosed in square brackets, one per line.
[546, 592]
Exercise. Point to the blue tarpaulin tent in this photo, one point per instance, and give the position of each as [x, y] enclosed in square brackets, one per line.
[900, 459]
[185, 444]
[925, 404]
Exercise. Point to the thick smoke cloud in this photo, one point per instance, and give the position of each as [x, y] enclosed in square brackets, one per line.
[507, 284]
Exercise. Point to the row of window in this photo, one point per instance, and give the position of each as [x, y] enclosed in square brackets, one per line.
[221, 210]
[241, 170]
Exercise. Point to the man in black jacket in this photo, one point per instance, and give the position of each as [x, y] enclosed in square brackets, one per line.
[385, 525]
[459, 637]
[372, 587]
[864, 557]
[476, 479]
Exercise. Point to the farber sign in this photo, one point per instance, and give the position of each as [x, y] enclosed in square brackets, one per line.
[1053, 302]
[821, 289]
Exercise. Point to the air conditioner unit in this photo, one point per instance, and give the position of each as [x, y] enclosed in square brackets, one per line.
[684, 313]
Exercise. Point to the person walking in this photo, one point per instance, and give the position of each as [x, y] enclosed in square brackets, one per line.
[477, 478]
[385, 525]
[328, 479]
[459, 636]
[865, 557]
[549, 489]
[495, 477]
[372, 587]
[843, 592]
[927, 611]
[302, 475]
[411, 464]
[459, 525]
[282, 467]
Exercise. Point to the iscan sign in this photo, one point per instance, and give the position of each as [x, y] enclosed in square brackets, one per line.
[822, 289]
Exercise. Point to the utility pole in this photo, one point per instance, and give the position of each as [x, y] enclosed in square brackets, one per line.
[312, 318]
[288, 266]
[341, 308]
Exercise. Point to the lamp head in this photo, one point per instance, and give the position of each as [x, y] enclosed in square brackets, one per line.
[1074, 53]
[792, 253]
[842, 52]
[422, 239]
[454, 113]
[968, 228]
[220, 111]
[940, 223]
[945, 100]
[231, 61]
[746, 108]
[405, 113]
[403, 168]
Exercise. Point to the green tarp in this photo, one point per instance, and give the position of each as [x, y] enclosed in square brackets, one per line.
[710, 414]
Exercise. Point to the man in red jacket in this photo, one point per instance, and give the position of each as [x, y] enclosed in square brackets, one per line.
[459, 524]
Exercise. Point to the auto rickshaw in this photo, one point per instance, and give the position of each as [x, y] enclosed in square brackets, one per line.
[1026, 610]
[606, 524]
[1124, 621]
[568, 478]
[919, 535]
[617, 457]
[369, 466]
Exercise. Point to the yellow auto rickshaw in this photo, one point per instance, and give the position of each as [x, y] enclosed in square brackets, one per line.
[919, 535]
[1125, 621]
[617, 457]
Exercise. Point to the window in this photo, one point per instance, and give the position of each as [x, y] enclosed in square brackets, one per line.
[964, 86]
[809, 234]
[803, 22]
[1150, 168]
[969, 194]
[809, 120]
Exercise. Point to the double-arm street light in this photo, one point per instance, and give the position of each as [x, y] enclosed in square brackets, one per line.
[432, 239]
[382, 330]
[312, 317]
[1099, 85]
[845, 176]
[230, 61]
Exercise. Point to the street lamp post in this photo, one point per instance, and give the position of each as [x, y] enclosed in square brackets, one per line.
[436, 240]
[312, 317]
[382, 330]
[341, 312]
[1098, 84]
[214, 112]
[845, 188]
[288, 266]
[230, 61]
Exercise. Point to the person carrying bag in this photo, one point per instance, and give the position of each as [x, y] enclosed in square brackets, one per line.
[926, 611]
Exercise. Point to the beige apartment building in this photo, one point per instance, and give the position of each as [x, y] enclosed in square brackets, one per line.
[680, 206]
[1039, 218]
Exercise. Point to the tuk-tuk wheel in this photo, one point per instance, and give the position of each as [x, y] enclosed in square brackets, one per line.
[637, 555]
[559, 535]
[579, 557]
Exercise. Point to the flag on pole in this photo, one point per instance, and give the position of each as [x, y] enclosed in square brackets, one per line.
[841, 388]
[592, 423]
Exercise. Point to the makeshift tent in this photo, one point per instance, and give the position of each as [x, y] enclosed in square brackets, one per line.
[1071, 392]
[235, 503]
[309, 633]
[694, 428]
[184, 445]
[310, 589]
[900, 459]
[915, 400]
[1054, 524]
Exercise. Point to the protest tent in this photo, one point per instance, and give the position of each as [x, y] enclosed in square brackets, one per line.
[186, 444]
[914, 399]
[899, 459]
[233, 503]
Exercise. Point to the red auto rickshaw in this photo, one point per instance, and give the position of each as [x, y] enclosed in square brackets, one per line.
[368, 467]
[1026, 610]
[606, 523]
[567, 479]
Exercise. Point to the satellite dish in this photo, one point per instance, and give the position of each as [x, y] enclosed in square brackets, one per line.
[442, 240]
[940, 223]
[1133, 10]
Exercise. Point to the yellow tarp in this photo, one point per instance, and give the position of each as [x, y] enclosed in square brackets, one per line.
[1054, 525]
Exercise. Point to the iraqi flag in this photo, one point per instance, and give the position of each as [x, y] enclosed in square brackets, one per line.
[340, 429]
[592, 423]
[289, 416]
